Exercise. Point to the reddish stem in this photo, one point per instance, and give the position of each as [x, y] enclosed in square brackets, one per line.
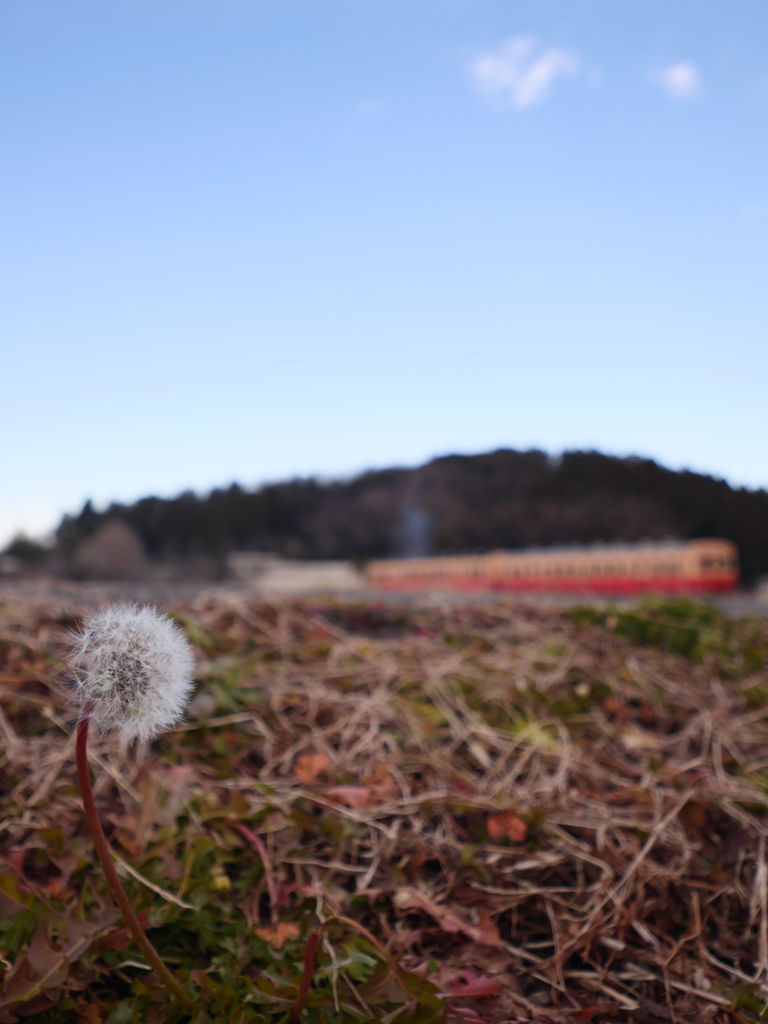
[306, 978]
[108, 866]
[309, 961]
[258, 845]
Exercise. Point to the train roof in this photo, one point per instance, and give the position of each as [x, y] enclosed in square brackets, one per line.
[665, 544]
[647, 546]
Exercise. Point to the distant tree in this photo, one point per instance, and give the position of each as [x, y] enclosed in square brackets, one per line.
[30, 552]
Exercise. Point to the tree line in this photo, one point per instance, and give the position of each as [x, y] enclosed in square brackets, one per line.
[503, 499]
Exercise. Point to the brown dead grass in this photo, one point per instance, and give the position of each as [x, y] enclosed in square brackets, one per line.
[578, 821]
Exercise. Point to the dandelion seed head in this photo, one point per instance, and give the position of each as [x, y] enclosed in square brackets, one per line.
[134, 668]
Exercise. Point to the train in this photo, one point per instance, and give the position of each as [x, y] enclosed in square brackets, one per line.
[709, 565]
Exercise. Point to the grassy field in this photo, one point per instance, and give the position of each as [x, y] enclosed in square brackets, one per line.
[476, 813]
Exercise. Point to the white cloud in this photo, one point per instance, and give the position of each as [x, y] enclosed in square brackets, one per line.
[679, 81]
[520, 71]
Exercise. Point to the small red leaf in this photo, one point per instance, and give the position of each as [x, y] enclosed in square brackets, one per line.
[470, 984]
[307, 767]
[507, 823]
[277, 934]
[356, 797]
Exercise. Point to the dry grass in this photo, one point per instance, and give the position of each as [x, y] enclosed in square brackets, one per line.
[542, 819]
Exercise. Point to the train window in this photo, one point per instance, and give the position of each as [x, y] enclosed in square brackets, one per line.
[570, 570]
[595, 570]
[558, 570]
[706, 563]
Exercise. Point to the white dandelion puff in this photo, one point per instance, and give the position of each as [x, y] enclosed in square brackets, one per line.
[133, 670]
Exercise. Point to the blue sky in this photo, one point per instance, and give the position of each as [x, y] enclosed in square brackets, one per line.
[249, 240]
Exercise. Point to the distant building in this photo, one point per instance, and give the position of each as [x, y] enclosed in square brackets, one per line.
[270, 574]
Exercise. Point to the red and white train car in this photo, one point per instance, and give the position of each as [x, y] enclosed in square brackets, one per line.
[710, 565]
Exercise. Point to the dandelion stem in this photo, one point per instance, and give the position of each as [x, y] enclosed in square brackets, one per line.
[108, 866]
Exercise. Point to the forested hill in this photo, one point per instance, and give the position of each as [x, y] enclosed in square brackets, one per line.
[504, 499]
